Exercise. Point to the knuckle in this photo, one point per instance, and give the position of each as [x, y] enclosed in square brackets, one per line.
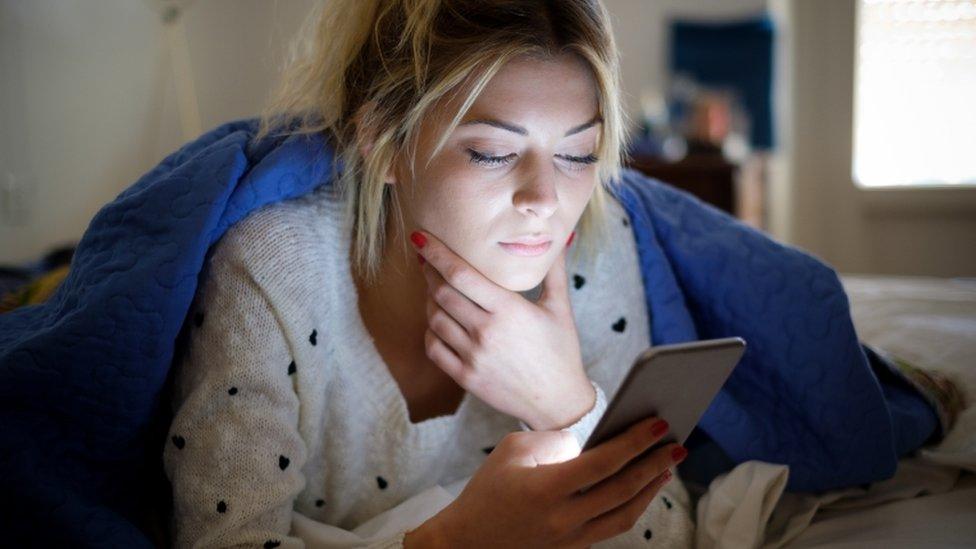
[466, 377]
[644, 425]
[640, 476]
[484, 335]
[441, 293]
[456, 275]
[436, 321]
[479, 335]
[473, 359]
[653, 467]
[637, 444]
[601, 468]
[622, 491]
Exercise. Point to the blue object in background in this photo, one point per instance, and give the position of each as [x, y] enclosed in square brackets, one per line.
[736, 55]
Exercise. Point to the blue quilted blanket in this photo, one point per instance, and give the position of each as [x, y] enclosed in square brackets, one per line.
[83, 377]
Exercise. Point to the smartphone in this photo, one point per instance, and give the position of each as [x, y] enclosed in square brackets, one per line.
[675, 382]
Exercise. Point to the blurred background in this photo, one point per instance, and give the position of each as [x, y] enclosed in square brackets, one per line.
[843, 127]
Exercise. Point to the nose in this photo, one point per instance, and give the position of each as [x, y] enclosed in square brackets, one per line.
[537, 195]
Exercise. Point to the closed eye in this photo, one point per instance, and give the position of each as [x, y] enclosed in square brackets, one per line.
[488, 160]
[588, 159]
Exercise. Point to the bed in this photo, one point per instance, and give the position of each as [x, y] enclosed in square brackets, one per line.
[931, 322]
[931, 500]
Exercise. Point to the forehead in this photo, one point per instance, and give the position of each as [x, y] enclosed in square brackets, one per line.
[543, 95]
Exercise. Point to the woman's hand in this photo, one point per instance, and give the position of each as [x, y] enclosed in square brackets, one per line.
[519, 357]
[527, 492]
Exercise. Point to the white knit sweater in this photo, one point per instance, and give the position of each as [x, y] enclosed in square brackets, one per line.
[283, 403]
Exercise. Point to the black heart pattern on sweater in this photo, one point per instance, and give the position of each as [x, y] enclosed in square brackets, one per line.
[232, 391]
[647, 534]
[283, 462]
[291, 368]
[319, 502]
[312, 338]
[620, 324]
[666, 502]
[382, 482]
[626, 222]
[271, 544]
[578, 281]
[221, 507]
[488, 449]
[179, 442]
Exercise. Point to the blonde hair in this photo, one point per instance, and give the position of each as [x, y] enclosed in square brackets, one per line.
[381, 65]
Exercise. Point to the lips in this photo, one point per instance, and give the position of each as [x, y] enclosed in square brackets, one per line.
[529, 240]
[526, 250]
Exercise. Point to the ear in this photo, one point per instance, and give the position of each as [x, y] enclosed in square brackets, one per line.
[365, 138]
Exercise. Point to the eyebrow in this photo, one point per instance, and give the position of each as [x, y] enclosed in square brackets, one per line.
[522, 131]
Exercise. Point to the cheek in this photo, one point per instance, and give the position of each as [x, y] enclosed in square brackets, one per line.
[459, 209]
[574, 195]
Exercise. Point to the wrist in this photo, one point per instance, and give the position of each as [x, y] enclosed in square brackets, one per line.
[570, 411]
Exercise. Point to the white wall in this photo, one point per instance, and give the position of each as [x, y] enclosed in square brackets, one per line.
[86, 105]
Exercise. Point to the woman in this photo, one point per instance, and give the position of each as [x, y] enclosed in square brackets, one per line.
[337, 367]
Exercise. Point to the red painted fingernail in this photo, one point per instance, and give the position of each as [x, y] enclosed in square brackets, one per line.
[679, 453]
[571, 236]
[418, 239]
[659, 428]
[420, 259]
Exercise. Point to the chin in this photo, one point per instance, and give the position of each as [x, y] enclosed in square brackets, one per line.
[518, 281]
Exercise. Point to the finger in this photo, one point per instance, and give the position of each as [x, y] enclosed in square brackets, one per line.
[555, 292]
[467, 313]
[444, 357]
[447, 329]
[459, 273]
[596, 464]
[623, 518]
[622, 486]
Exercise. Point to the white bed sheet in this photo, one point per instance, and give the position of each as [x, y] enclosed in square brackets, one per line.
[942, 520]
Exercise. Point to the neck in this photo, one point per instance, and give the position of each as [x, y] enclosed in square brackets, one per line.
[393, 305]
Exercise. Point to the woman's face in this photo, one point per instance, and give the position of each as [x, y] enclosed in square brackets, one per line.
[519, 167]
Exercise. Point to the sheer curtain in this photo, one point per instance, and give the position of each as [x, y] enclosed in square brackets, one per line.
[915, 93]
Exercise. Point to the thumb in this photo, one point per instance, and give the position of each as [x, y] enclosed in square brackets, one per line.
[555, 291]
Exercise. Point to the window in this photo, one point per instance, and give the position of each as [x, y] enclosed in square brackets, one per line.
[915, 93]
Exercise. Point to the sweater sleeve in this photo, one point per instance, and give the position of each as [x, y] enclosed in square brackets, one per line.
[585, 425]
[234, 456]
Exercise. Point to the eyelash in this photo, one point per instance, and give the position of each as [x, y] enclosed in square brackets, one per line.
[491, 161]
